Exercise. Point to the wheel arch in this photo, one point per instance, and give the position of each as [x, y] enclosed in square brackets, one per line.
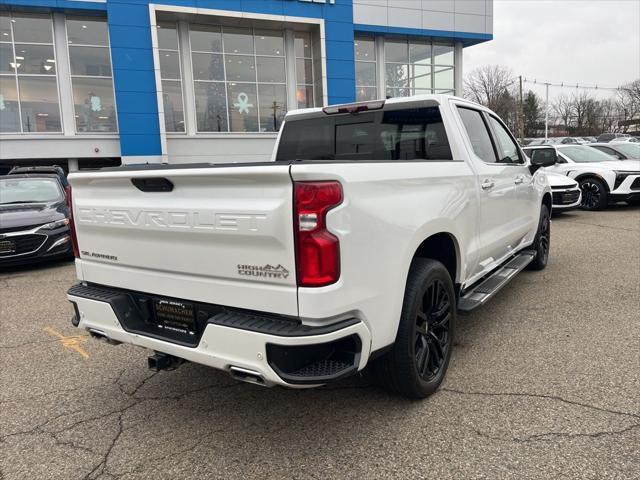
[588, 175]
[443, 247]
[548, 201]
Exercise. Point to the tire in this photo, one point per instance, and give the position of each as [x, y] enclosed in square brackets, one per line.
[417, 363]
[542, 242]
[594, 194]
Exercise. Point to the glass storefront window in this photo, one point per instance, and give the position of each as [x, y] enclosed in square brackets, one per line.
[39, 104]
[239, 78]
[5, 27]
[305, 92]
[273, 98]
[237, 40]
[7, 64]
[87, 31]
[94, 105]
[9, 107]
[170, 74]
[410, 67]
[366, 82]
[32, 28]
[28, 85]
[269, 42]
[396, 50]
[173, 106]
[208, 66]
[205, 38]
[243, 113]
[90, 61]
[91, 75]
[211, 106]
[35, 59]
[443, 77]
[443, 54]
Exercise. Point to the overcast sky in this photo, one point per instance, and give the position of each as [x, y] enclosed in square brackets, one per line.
[573, 41]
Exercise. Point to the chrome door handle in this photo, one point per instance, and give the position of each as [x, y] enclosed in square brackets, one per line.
[487, 184]
[518, 179]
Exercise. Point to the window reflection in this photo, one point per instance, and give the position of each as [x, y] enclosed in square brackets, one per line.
[211, 107]
[28, 84]
[411, 67]
[9, 108]
[39, 104]
[170, 73]
[366, 81]
[240, 77]
[94, 104]
[91, 75]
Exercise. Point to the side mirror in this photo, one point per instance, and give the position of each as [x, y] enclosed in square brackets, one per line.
[543, 157]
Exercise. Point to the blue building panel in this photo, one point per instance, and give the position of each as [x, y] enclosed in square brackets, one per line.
[129, 24]
[139, 145]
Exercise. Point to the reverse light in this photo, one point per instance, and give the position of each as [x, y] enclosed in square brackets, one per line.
[317, 249]
[72, 224]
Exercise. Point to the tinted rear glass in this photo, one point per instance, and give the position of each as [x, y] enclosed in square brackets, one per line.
[411, 134]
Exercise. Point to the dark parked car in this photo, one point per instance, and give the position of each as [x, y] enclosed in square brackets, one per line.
[54, 169]
[607, 137]
[34, 219]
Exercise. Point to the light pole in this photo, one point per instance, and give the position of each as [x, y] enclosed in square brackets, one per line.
[546, 114]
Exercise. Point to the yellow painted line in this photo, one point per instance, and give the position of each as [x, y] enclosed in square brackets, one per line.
[71, 343]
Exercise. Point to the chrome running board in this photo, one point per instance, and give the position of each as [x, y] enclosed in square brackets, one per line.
[482, 292]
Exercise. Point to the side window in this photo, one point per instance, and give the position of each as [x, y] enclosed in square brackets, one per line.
[609, 151]
[414, 134]
[507, 147]
[561, 159]
[478, 134]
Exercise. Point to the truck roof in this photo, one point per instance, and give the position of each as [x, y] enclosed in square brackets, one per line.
[393, 103]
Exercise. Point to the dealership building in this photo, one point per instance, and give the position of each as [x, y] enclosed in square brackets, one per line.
[85, 83]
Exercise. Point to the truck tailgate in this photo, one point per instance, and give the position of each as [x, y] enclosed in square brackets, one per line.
[221, 235]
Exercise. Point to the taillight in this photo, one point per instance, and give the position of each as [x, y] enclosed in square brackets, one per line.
[317, 249]
[72, 224]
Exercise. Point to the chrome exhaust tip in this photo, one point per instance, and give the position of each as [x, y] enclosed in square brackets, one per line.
[100, 335]
[246, 375]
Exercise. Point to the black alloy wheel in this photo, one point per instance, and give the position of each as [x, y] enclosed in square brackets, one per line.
[544, 238]
[594, 195]
[417, 363]
[432, 339]
[542, 242]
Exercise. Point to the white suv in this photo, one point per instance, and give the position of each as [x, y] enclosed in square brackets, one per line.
[603, 179]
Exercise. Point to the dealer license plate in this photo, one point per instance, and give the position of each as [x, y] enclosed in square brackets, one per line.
[175, 316]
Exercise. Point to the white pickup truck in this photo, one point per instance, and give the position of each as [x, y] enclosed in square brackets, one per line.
[375, 224]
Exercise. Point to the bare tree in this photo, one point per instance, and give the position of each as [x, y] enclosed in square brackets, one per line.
[491, 86]
[628, 104]
[607, 120]
[563, 108]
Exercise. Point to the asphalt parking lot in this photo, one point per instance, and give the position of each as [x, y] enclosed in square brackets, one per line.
[544, 383]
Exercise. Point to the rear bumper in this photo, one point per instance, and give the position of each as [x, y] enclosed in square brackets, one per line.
[281, 351]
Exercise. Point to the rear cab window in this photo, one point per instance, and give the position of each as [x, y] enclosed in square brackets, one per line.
[394, 135]
[478, 134]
